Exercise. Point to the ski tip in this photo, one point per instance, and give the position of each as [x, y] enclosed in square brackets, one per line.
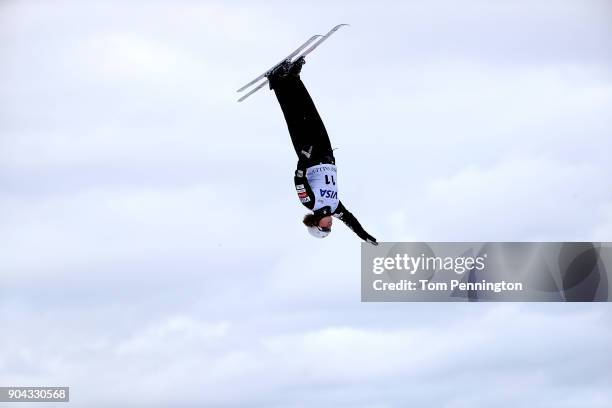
[334, 29]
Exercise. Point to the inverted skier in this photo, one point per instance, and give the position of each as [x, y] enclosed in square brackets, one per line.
[316, 174]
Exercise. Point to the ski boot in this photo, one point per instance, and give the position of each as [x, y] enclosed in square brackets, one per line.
[285, 70]
[296, 67]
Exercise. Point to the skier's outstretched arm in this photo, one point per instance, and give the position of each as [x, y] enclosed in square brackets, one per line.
[349, 219]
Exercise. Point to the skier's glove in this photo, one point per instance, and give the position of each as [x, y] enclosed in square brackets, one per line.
[371, 240]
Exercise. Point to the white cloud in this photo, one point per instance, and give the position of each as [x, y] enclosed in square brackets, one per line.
[150, 235]
[524, 198]
[204, 362]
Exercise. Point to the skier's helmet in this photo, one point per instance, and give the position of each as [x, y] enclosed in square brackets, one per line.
[319, 232]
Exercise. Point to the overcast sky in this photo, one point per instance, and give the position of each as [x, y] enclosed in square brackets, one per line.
[151, 250]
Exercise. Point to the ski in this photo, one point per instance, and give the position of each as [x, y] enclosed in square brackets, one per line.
[321, 39]
[288, 57]
[252, 91]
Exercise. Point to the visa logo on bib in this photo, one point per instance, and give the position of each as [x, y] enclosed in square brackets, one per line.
[328, 193]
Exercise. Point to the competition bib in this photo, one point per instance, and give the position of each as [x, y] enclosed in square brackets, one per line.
[322, 180]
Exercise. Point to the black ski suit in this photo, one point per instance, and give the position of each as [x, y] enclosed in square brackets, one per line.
[312, 146]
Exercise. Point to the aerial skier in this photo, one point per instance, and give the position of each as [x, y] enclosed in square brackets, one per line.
[316, 174]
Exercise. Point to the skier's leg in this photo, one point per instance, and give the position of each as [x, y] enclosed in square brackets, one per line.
[305, 125]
